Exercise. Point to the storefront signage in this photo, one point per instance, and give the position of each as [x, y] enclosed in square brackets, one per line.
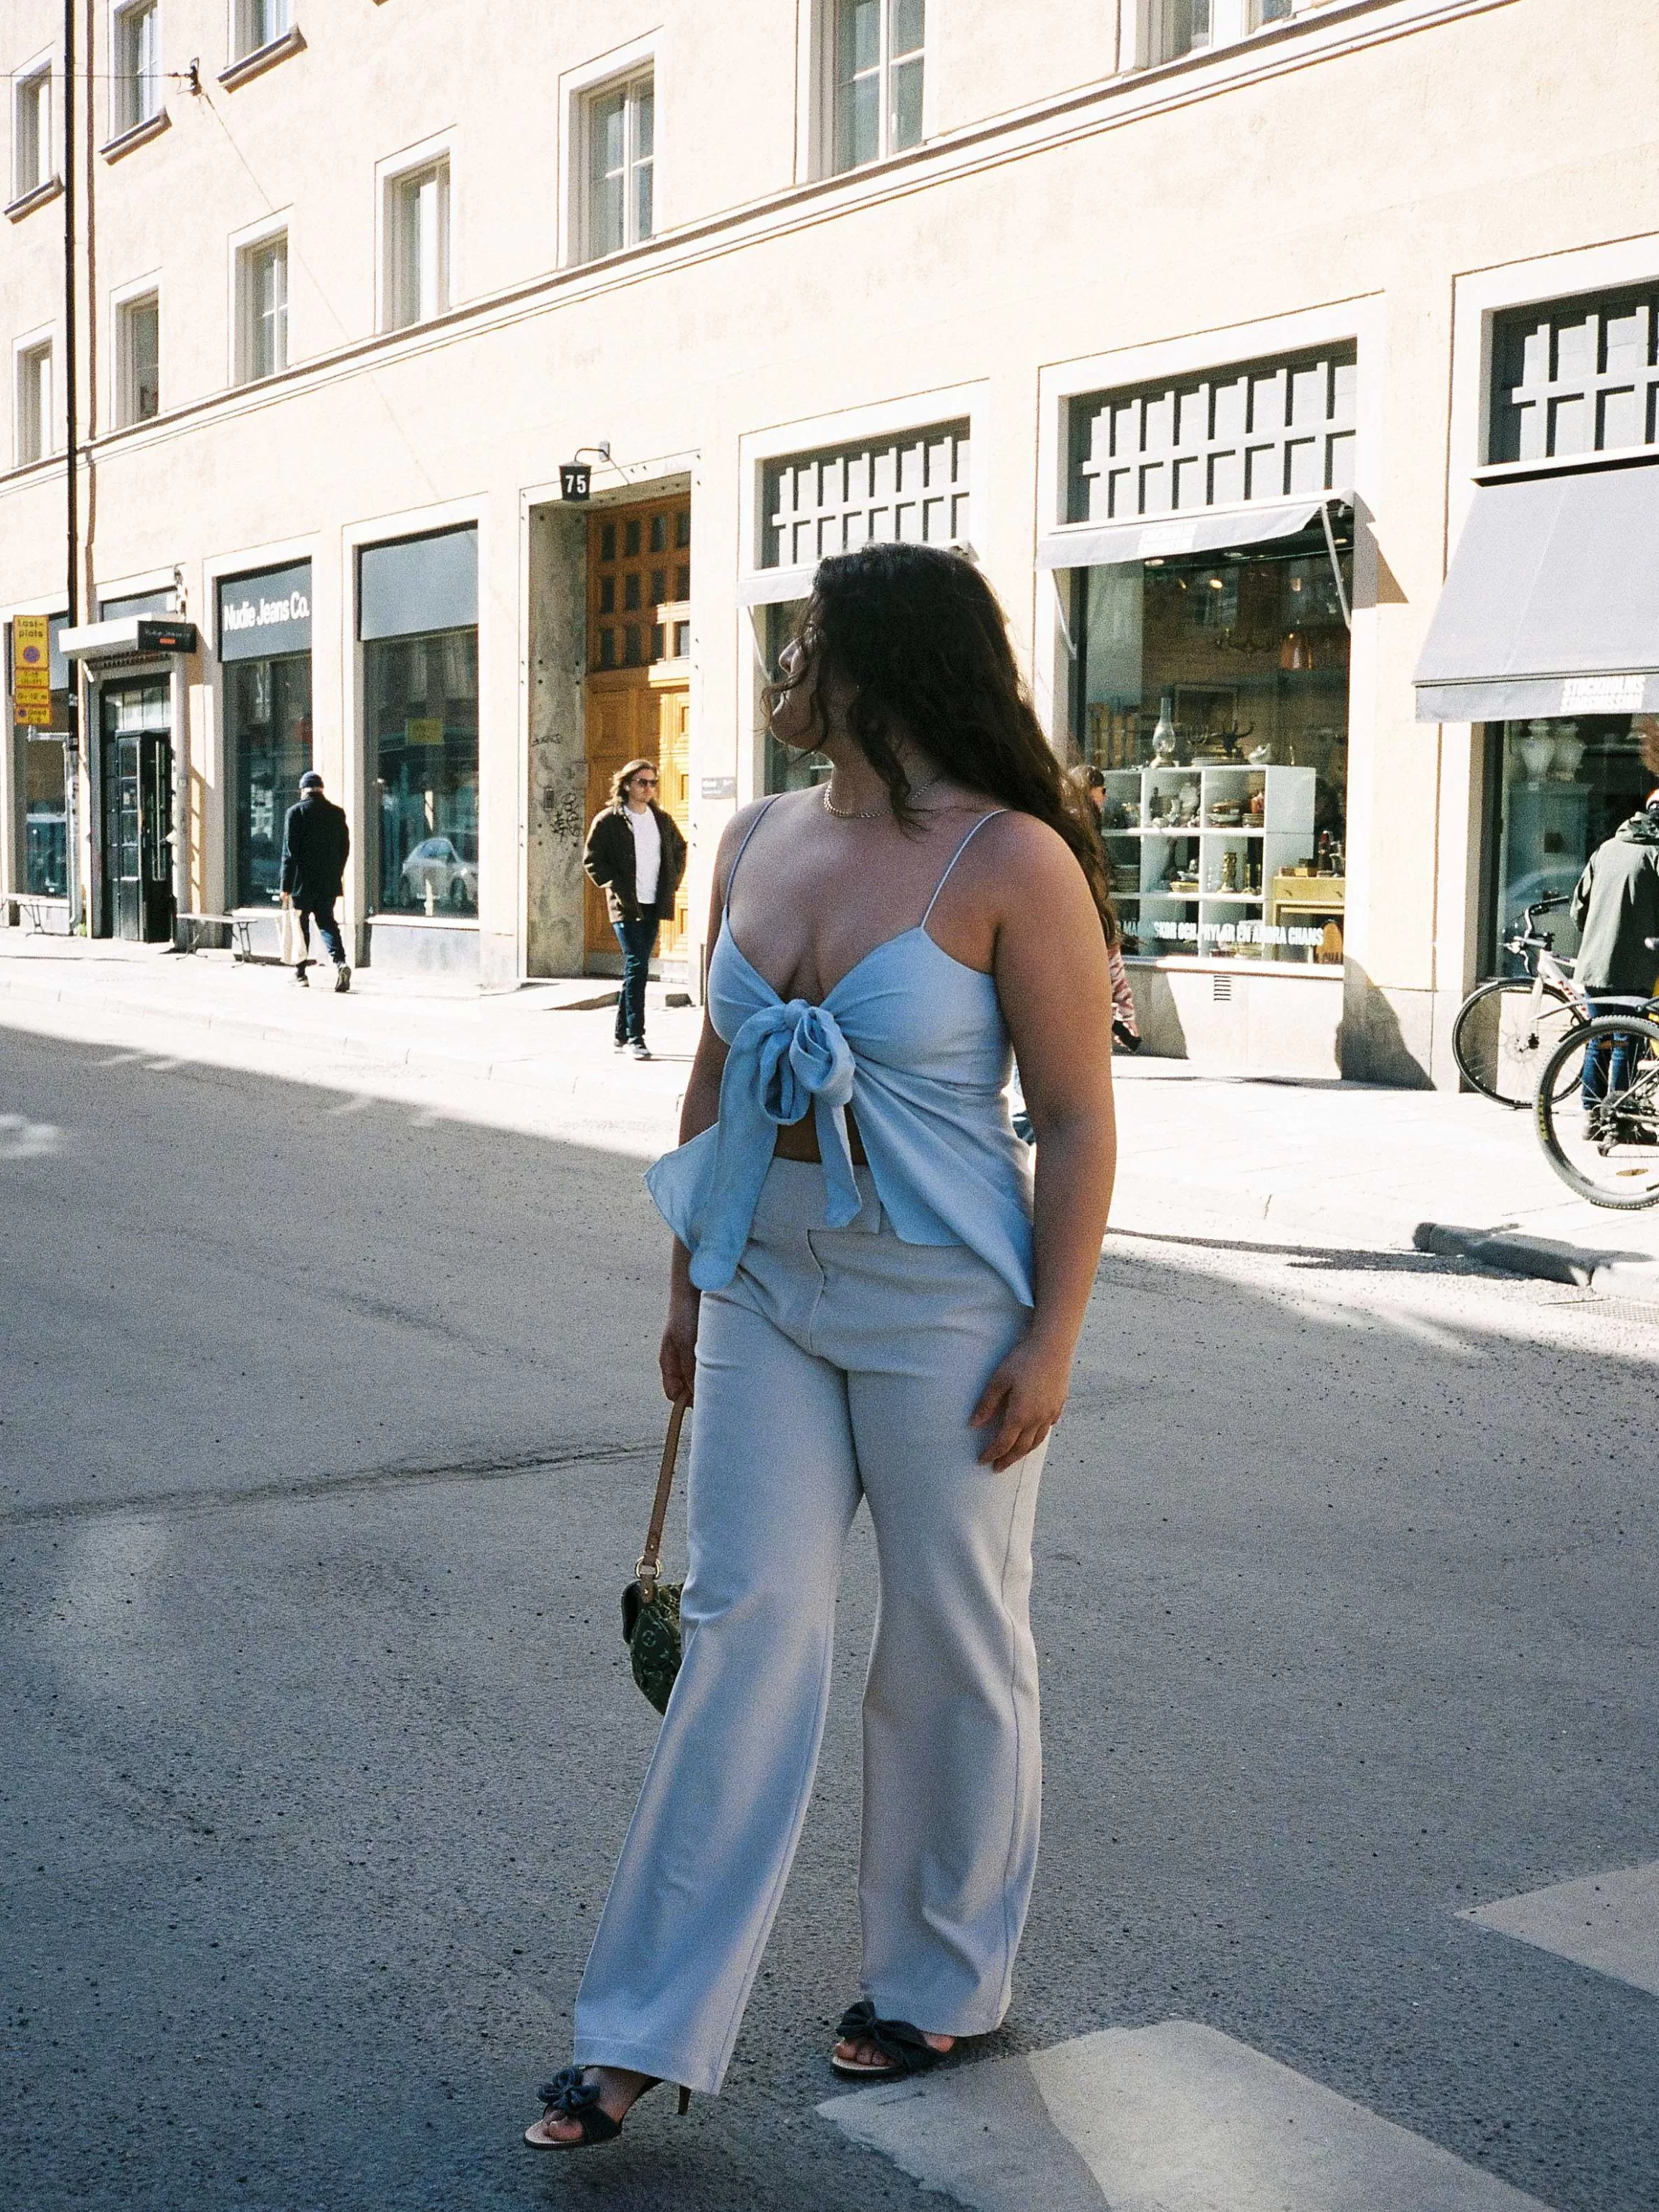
[719, 787]
[261, 616]
[1604, 694]
[31, 671]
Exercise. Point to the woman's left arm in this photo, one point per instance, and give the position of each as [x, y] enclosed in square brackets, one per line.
[1054, 982]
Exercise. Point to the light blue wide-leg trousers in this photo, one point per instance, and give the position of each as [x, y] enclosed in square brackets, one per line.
[839, 1364]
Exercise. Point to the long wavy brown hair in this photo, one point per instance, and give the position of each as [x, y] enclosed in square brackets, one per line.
[920, 634]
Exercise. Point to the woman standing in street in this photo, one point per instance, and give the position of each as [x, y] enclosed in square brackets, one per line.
[637, 856]
[870, 1301]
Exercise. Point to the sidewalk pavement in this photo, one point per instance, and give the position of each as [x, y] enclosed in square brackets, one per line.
[1202, 1153]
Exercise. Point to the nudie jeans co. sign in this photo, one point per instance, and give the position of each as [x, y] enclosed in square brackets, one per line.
[263, 616]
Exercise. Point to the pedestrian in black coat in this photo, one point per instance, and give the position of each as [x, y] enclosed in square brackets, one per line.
[316, 845]
[636, 855]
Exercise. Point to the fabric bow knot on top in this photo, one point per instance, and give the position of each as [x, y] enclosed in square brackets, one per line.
[787, 1061]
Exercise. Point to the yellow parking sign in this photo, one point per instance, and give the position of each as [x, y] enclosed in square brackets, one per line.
[31, 670]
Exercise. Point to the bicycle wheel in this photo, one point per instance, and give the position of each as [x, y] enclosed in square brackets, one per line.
[1607, 1152]
[1499, 1042]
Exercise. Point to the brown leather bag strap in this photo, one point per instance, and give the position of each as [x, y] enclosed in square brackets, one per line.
[650, 1557]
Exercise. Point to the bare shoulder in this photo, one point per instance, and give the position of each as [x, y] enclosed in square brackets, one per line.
[1017, 858]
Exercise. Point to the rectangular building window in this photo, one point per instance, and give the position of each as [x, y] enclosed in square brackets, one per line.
[1180, 26]
[417, 245]
[878, 60]
[138, 360]
[262, 308]
[417, 619]
[913, 487]
[621, 165]
[34, 403]
[135, 94]
[1259, 430]
[31, 132]
[40, 781]
[264, 646]
[1575, 376]
[256, 23]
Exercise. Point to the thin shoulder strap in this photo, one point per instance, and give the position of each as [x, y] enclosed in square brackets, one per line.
[732, 872]
[957, 854]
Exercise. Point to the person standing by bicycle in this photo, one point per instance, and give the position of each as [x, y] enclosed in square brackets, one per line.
[1616, 906]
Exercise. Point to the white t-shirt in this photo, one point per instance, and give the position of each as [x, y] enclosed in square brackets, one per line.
[647, 853]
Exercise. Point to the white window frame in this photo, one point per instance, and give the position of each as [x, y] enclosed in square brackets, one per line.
[628, 86]
[245, 19]
[392, 179]
[578, 86]
[127, 111]
[825, 123]
[124, 395]
[25, 410]
[26, 86]
[245, 244]
[894, 418]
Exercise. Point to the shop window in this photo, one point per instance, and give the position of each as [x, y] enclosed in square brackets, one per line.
[1562, 787]
[31, 132]
[256, 24]
[1214, 697]
[417, 245]
[136, 93]
[620, 126]
[265, 647]
[914, 488]
[34, 401]
[636, 611]
[1258, 430]
[877, 77]
[1575, 376]
[417, 615]
[268, 727]
[138, 360]
[262, 308]
[41, 781]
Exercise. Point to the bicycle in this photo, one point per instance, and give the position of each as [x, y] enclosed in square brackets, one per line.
[1606, 1149]
[1506, 1029]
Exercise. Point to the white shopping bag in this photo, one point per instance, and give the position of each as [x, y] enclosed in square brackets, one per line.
[291, 945]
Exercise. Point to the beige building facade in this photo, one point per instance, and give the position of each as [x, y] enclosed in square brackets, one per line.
[1208, 327]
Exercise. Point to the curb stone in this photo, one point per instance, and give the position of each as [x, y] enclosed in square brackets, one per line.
[1546, 1259]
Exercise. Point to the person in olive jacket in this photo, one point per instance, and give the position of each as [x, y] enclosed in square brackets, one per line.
[1616, 906]
[316, 845]
[636, 855]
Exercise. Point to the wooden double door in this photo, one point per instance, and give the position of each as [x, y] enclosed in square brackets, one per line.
[638, 684]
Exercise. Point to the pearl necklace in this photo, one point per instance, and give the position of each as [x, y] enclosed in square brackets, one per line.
[872, 813]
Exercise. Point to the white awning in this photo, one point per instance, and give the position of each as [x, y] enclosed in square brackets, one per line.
[1551, 605]
[772, 588]
[125, 635]
[1207, 530]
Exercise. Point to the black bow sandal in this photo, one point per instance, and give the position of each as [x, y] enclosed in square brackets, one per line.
[571, 2096]
[904, 2049]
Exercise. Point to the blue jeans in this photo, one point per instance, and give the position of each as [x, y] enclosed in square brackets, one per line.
[638, 940]
[327, 928]
[1609, 1062]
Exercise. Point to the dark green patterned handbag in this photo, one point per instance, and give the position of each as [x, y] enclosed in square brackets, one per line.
[651, 1608]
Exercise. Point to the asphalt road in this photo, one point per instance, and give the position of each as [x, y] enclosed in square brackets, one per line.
[327, 1428]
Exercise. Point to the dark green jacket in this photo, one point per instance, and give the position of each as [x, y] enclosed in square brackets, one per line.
[1616, 906]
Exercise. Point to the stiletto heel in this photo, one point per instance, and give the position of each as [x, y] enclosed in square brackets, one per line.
[685, 2102]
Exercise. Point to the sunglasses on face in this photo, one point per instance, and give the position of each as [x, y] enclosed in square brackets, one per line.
[642, 781]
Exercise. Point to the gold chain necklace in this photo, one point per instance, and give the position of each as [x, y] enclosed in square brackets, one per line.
[874, 813]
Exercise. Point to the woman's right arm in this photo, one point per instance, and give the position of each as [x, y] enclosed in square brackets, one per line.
[700, 1111]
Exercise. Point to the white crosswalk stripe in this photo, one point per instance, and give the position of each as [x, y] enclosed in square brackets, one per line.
[1177, 2118]
[1607, 1920]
